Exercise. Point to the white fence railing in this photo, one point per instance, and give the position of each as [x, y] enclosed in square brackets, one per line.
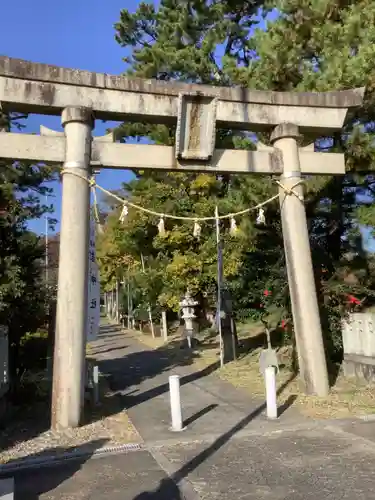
[358, 335]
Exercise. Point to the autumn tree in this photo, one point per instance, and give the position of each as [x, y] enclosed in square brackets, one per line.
[311, 46]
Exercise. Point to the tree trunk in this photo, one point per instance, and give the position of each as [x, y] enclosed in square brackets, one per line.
[14, 368]
[51, 339]
[230, 340]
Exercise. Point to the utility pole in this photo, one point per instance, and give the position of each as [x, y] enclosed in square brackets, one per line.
[46, 262]
[149, 305]
[128, 297]
[112, 303]
[131, 308]
[219, 282]
[108, 304]
[117, 302]
[164, 325]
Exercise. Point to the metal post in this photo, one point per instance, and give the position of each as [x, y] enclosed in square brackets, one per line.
[176, 411]
[46, 259]
[132, 322]
[129, 325]
[112, 303]
[71, 318]
[95, 380]
[309, 338]
[164, 325]
[151, 321]
[271, 397]
[219, 281]
[117, 303]
[149, 310]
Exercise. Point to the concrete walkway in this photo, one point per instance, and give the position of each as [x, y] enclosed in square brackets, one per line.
[334, 464]
[228, 451]
[131, 476]
[211, 407]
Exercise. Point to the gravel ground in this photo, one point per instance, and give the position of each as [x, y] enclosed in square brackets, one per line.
[110, 431]
[29, 434]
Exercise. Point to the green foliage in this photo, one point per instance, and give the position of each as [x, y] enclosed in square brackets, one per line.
[179, 39]
[309, 46]
[22, 292]
[178, 260]
[33, 351]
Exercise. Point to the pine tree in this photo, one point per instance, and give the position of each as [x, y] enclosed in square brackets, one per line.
[313, 46]
[180, 40]
[22, 290]
[320, 46]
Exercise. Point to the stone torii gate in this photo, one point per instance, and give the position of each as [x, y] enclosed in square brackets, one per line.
[80, 97]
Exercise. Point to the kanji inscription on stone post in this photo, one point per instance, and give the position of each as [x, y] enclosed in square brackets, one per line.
[93, 318]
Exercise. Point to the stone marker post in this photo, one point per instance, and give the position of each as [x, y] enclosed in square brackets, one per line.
[305, 309]
[68, 369]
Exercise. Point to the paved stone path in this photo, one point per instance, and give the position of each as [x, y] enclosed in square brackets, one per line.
[211, 406]
[120, 477]
[229, 451]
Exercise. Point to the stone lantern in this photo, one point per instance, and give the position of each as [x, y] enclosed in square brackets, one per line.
[187, 305]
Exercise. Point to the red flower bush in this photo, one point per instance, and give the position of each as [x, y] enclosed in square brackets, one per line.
[353, 300]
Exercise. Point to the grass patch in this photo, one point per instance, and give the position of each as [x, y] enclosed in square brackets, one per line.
[348, 397]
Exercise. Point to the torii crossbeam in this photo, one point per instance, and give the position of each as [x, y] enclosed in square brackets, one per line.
[197, 110]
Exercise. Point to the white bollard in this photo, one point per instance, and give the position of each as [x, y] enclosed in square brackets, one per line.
[176, 412]
[95, 379]
[164, 325]
[271, 397]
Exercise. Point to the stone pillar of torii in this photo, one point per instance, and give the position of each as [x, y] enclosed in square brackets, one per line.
[80, 97]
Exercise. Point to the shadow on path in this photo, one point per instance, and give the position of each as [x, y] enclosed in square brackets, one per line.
[178, 476]
[199, 414]
[31, 483]
[129, 400]
[138, 365]
[167, 490]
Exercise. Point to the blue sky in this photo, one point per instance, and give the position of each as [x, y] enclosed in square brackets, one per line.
[76, 34]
